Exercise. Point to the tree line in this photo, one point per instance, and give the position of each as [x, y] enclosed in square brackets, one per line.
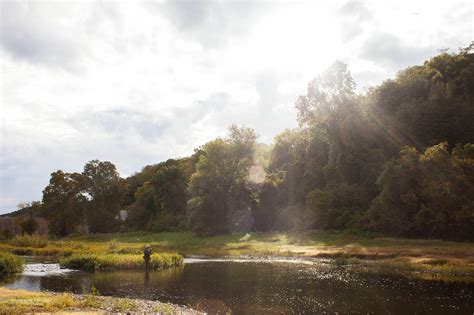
[396, 160]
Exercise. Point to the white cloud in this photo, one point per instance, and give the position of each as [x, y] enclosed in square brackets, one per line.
[137, 83]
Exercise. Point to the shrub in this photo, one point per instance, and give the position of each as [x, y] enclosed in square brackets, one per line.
[10, 264]
[36, 241]
[81, 262]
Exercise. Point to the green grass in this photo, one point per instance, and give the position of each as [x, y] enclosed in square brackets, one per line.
[90, 262]
[10, 264]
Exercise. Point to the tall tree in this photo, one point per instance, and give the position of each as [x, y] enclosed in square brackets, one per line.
[161, 201]
[218, 188]
[64, 202]
[105, 190]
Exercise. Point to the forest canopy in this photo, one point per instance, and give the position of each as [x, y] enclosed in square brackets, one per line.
[397, 160]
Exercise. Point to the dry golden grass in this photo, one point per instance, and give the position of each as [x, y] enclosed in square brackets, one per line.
[21, 302]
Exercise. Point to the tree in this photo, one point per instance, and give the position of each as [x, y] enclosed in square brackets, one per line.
[161, 201]
[396, 160]
[427, 195]
[105, 191]
[218, 189]
[64, 203]
[326, 93]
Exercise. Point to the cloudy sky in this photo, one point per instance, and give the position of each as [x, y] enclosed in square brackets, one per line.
[136, 83]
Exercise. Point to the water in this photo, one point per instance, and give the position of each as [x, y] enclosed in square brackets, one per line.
[276, 286]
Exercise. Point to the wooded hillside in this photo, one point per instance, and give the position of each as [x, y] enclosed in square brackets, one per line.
[396, 160]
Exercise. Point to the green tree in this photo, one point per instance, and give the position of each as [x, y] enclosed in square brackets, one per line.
[326, 93]
[64, 202]
[161, 201]
[105, 190]
[427, 195]
[218, 189]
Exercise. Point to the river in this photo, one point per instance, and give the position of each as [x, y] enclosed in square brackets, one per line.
[276, 286]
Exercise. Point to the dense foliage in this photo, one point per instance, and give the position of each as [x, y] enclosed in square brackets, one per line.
[90, 199]
[397, 160]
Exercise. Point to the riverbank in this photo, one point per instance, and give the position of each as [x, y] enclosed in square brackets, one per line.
[21, 301]
[433, 256]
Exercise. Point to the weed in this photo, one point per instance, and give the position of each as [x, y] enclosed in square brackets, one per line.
[124, 305]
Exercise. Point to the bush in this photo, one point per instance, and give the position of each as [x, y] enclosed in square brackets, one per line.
[10, 264]
[36, 241]
[81, 262]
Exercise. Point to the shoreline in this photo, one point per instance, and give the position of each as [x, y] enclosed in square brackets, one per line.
[425, 256]
[13, 301]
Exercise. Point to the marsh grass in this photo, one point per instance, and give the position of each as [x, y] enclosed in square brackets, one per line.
[439, 269]
[34, 241]
[113, 244]
[322, 244]
[91, 262]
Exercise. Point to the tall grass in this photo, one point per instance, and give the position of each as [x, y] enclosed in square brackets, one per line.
[35, 241]
[10, 264]
[90, 262]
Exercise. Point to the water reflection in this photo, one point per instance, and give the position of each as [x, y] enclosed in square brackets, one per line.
[263, 288]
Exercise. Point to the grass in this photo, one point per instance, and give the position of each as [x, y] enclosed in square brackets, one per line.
[92, 262]
[124, 305]
[34, 241]
[21, 302]
[450, 271]
[456, 256]
[431, 256]
[10, 264]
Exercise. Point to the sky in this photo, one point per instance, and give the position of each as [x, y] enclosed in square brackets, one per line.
[139, 82]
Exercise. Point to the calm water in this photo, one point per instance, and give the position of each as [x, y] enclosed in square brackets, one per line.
[265, 287]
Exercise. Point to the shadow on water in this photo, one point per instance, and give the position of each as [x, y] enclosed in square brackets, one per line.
[245, 287]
